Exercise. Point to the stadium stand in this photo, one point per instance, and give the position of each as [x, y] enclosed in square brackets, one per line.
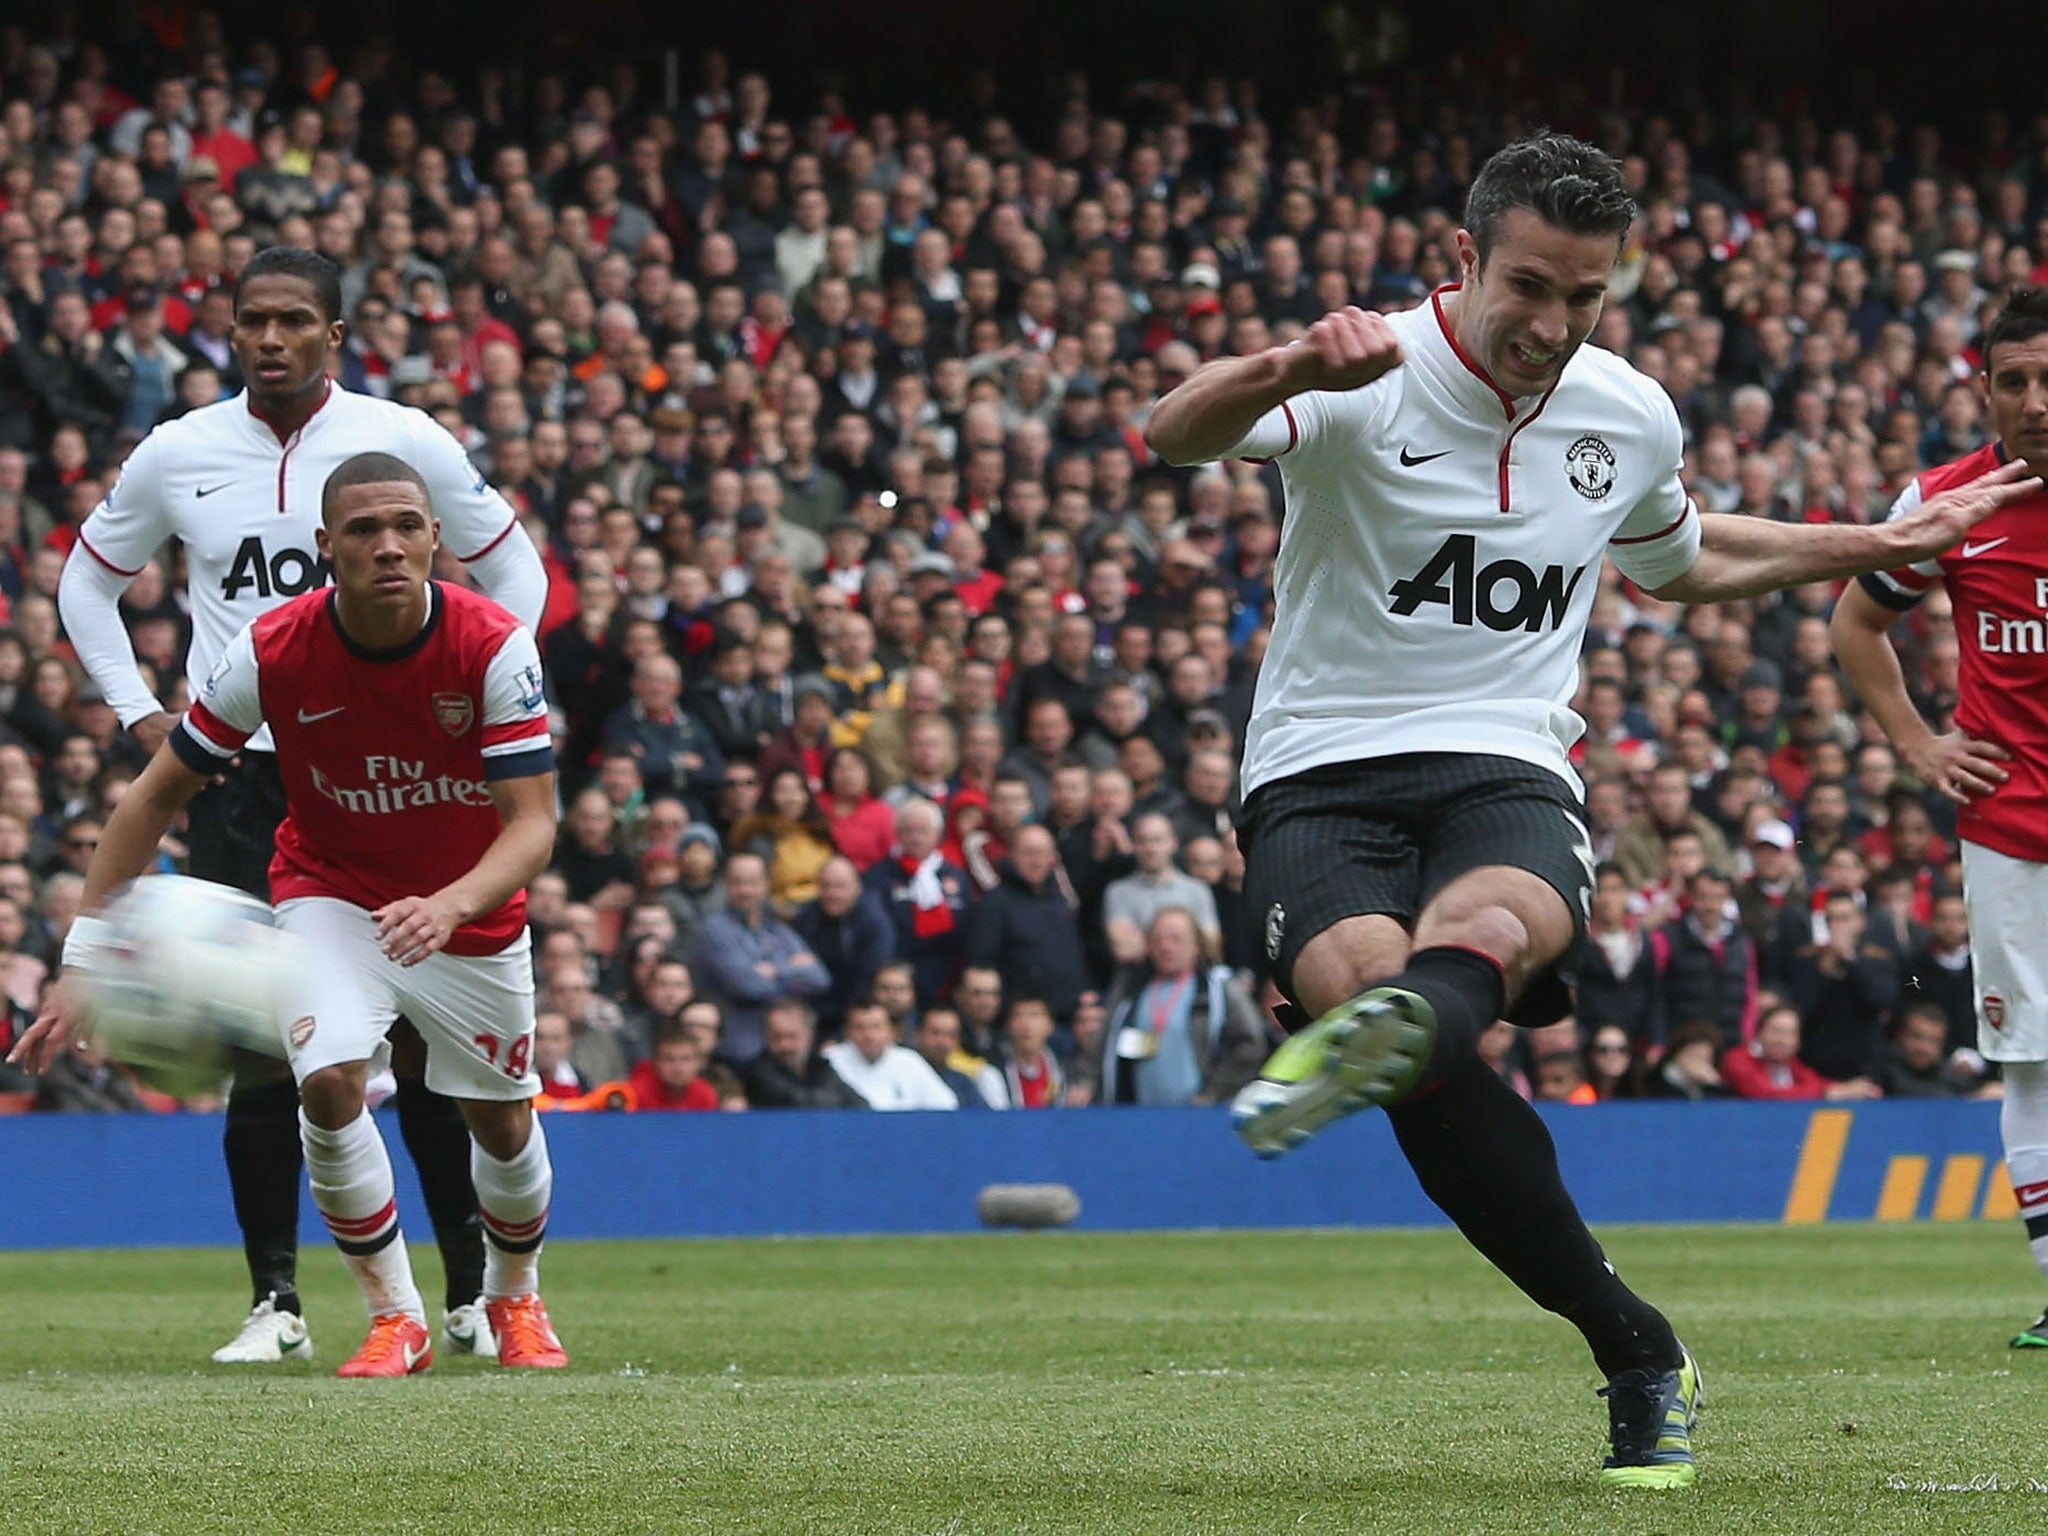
[826, 417]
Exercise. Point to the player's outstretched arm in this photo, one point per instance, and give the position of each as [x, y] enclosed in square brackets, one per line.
[1748, 556]
[414, 927]
[127, 849]
[1955, 764]
[1202, 418]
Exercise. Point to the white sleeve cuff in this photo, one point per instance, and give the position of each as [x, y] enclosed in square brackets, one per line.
[87, 934]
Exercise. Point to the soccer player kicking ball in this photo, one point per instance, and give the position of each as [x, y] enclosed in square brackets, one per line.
[412, 740]
[1994, 763]
[1417, 846]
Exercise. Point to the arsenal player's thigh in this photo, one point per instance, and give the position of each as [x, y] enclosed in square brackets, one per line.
[475, 1013]
[2008, 903]
[345, 1001]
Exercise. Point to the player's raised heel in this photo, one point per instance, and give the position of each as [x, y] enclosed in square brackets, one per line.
[1369, 1050]
[1651, 1419]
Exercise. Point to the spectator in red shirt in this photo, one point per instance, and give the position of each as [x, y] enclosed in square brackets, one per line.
[978, 588]
[213, 139]
[1769, 1066]
[674, 1078]
[478, 325]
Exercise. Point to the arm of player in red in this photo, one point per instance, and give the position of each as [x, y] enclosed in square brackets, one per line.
[127, 849]
[414, 927]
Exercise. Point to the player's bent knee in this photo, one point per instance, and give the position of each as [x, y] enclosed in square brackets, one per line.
[500, 1126]
[333, 1096]
[1347, 958]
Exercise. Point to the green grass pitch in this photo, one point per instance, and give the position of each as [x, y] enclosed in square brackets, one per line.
[1334, 1382]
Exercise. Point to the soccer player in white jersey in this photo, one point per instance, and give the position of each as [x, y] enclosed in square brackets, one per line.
[1994, 761]
[239, 484]
[411, 736]
[1418, 853]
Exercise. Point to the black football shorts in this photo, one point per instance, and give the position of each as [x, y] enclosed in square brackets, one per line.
[1384, 835]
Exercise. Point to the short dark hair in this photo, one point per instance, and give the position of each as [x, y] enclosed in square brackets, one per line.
[2024, 317]
[296, 261]
[671, 1032]
[1562, 180]
[370, 469]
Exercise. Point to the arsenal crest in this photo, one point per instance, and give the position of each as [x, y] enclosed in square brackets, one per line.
[1994, 1010]
[455, 712]
[301, 1032]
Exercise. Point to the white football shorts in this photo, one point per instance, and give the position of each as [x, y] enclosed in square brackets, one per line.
[2008, 902]
[475, 1012]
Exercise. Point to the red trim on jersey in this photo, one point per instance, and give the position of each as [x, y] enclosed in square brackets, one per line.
[250, 401]
[1662, 533]
[1293, 428]
[215, 731]
[1513, 432]
[501, 538]
[103, 560]
[1436, 303]
[516, 731]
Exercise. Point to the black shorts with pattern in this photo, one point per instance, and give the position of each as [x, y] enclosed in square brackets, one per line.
[1384, 835]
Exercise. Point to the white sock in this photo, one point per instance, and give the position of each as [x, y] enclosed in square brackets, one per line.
[351, 1176]
[512, 1197]
[2023, 1118]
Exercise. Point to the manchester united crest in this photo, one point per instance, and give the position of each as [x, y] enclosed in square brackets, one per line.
[1589, 463]
[455, 712]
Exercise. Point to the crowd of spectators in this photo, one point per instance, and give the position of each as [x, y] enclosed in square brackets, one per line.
[898, 688]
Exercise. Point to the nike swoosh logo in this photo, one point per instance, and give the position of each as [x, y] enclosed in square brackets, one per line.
[412, 1357]
[1409, 460]
[306, 719]
[1971, 551]
[201, 493]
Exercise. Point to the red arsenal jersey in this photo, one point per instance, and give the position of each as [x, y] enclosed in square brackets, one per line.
[387, 756]
[1997, 579]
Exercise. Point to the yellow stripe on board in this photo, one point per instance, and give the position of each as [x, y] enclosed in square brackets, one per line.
[1955, 1197]
[1820, 1163]
[1998, 1198]
[1904, 1177]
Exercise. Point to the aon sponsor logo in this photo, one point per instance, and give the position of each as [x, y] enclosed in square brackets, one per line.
[1502, 594]
[286, 573]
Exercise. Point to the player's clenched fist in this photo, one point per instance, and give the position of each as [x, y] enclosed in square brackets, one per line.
[1346, 349]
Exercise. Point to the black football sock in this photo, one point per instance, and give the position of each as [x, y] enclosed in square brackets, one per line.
[261, 1143]
[1467, 989]
[438, 1140]
[1486, 1158]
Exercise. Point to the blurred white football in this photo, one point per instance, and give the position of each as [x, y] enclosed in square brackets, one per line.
[187, 975]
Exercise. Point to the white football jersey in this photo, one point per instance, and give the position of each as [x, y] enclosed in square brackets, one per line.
[245, 505]
[1442, 550]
